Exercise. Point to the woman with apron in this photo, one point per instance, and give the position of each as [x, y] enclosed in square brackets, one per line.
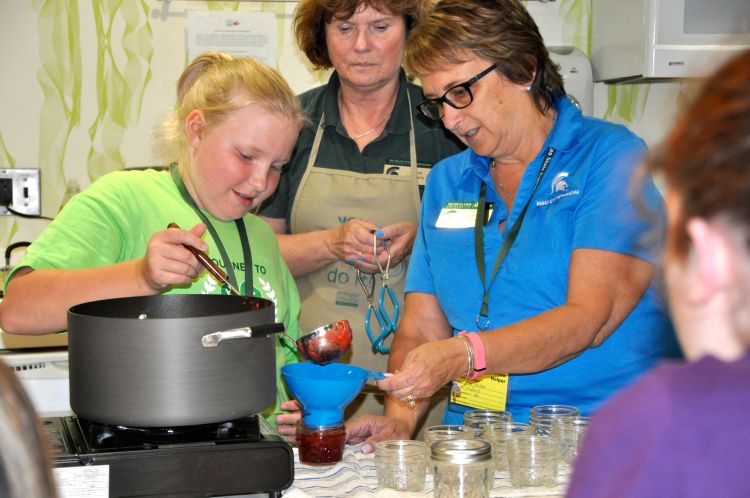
[352, 189]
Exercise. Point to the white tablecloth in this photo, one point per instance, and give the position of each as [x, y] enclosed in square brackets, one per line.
[355, 476]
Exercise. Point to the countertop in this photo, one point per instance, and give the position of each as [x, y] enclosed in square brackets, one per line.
[27, 343]
[355, 476]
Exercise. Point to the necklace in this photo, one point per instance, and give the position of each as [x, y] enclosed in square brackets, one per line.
[492, 164]
[499, 183]
[340, 101]
[368, 132]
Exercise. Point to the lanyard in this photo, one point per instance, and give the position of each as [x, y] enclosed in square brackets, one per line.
[483, 318]
[246, 252]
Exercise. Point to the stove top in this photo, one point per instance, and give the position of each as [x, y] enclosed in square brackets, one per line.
[97, 437]
[228, 458]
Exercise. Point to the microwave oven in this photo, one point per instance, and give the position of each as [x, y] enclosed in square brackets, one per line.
[634, 40]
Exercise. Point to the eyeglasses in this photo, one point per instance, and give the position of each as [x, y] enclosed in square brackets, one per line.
[457, 97]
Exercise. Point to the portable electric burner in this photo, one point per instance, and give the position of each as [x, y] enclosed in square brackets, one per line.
[238, 457]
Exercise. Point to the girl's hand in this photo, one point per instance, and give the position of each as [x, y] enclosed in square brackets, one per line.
[167, 262]
[287, 422]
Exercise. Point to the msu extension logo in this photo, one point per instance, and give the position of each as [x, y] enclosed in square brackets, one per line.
[559, 183]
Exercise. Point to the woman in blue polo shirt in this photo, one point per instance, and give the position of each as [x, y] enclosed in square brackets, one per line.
[529, 240]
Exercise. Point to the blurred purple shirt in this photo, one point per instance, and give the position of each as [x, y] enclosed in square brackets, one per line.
[683, 430]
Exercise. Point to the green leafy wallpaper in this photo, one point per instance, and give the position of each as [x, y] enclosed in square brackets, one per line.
[120, 81]
[576, 15]
[59, 77]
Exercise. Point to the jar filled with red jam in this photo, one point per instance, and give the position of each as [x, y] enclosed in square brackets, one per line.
[320, 445]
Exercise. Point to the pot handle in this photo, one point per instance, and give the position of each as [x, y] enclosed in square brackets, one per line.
[212, 340]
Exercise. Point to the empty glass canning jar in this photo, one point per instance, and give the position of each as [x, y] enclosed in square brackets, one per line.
[532, 460]
[463, 468]
[498, 435]
[569, 431]
[401, 464]
[543, 416]
[475, 420]
[446, 432]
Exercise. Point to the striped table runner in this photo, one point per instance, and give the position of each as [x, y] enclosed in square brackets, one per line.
[355, 476]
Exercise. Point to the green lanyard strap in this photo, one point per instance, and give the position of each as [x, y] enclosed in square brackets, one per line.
[246, 252]
[483, 318]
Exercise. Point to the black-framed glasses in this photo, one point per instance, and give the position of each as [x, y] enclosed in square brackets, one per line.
[458, 97]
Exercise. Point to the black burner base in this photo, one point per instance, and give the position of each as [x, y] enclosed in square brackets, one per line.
[104, 437]
[179, 468]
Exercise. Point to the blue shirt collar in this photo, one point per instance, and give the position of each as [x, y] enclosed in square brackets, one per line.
[564, 136]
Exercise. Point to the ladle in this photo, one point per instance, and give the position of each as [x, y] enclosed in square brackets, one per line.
[327, 343]
[323, 345]
[212, 268]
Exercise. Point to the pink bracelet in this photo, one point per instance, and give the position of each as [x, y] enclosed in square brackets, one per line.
[480, 359]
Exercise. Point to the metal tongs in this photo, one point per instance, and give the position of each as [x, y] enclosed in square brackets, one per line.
[390, 320]
[387, 298]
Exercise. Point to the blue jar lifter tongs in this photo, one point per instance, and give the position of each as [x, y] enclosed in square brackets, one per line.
[386, 321]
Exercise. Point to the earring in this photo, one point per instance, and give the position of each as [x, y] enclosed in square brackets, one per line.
[527, 87]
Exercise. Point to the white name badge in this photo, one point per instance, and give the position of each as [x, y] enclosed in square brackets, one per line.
[459, 215]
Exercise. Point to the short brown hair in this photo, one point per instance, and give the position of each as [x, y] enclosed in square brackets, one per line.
[706, 157]
[501, 32]
[311, 17]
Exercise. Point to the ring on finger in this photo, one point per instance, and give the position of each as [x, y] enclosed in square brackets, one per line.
[411, 401]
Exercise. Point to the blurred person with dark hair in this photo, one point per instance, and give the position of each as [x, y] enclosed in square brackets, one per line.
[25, 462]
[683, 429]
[528, 283]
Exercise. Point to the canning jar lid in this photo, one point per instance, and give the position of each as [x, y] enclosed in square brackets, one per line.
[461, 451]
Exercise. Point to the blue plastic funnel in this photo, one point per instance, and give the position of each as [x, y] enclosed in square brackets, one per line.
[325, 390]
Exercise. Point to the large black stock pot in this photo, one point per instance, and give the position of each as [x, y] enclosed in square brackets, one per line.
[166, 361]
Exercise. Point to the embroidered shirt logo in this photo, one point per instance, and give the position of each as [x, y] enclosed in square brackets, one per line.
[559, 183]
[560, 189]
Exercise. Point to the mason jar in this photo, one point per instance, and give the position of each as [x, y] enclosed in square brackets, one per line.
[320, 445]
[462, 468]
[401, 464]
[498, 435]
[569, 432]
[532, 460]
[542, 417]
[476, 420]
[444, 433]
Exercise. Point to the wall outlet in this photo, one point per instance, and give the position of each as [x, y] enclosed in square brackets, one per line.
[20, 190]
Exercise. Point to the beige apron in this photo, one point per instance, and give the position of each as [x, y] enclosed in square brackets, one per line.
[328, 197]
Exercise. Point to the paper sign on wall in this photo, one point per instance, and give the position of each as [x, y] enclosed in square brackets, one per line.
[242, 34]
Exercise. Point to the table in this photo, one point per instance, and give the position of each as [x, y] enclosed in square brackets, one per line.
[355, 476]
